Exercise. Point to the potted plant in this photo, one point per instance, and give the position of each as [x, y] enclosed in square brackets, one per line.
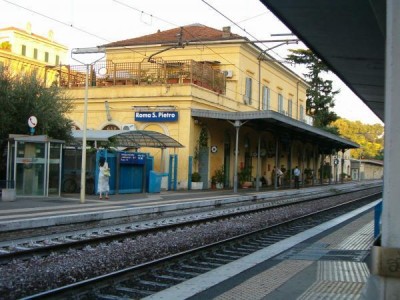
[213, 182]
[244, 177]
[308, 175]
[196, 181]
[219, 177]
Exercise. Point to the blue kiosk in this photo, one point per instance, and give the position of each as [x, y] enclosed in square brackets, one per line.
[131, 171]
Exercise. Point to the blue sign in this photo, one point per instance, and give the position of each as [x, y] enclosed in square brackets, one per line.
[132, 158]
[156, 116]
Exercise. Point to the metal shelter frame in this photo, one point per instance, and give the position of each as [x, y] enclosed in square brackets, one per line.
[272, 121]
[130, 138]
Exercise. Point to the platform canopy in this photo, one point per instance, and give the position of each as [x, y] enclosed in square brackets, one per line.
[348, 35]
[287, 127]
[129, 138]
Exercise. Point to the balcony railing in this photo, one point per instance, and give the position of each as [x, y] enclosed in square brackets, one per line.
[144, 73]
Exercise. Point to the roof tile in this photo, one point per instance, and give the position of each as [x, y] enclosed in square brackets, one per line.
[190, 33]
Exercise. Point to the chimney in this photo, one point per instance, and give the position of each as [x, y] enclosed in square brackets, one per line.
[28, 28]
[226, 31]
[50, 35]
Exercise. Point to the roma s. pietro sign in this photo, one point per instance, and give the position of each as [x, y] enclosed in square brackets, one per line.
[156, 116]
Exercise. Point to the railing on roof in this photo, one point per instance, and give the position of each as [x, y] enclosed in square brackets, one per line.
[144, 73]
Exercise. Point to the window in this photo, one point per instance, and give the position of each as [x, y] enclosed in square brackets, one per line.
[290, 107]
[23, 50]
[35, 53]
[280, 103]
[247, 94]
[110, 127]
[46, 56]
[266, 105]
[57, 60]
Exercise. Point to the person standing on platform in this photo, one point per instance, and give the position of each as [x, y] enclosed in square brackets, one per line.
[296, 173]
[279, 174]
[103, 186]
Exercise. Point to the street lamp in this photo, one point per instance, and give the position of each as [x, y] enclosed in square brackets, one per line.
[77, 51]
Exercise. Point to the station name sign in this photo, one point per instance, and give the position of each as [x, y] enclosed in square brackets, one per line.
[132, 158]
[156, 116]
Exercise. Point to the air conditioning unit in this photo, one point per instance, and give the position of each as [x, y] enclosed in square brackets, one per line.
[228, 73]
[129, 127]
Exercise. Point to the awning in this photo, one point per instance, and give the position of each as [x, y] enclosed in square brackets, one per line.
[349, 36]
[276, 122]
[33, 138]
[129, 138]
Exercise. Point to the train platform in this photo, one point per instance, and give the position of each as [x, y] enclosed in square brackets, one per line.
[326, 262]
[33, 212]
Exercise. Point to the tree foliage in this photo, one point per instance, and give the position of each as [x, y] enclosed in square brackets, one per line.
[320, 94]
[369, 137]
[24, 96]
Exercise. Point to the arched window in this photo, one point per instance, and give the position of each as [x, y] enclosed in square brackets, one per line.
[111, 127]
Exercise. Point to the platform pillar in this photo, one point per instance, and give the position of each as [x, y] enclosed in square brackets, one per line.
[384, 282]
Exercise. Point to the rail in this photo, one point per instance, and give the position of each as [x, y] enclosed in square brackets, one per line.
[110, 73]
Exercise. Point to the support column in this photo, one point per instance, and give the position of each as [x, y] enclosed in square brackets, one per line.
[277, 160]
[258, 164]
[384, 283]
[342, 166]
[237, 125]
[303, 157]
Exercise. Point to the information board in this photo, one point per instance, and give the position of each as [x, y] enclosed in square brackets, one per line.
[132, 158]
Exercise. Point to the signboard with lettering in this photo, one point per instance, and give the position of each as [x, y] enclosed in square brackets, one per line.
[132, 158]
[156, 116]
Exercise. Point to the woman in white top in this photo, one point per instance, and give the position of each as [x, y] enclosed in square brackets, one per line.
[104, 175]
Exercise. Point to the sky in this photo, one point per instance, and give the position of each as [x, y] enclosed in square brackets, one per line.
[89, 23]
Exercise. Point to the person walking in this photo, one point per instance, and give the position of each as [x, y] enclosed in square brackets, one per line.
[296, 173]
[103, 185]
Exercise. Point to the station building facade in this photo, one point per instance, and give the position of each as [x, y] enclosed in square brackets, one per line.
[232, 106]
[24, 52]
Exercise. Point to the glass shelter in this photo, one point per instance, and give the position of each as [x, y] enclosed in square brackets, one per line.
[34, 164]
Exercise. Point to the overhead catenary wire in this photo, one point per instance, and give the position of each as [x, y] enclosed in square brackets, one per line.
[70, 25]
[204, 44]
[195, 39]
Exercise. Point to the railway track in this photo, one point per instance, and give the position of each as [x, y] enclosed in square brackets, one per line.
[151, 277]
[25, 248]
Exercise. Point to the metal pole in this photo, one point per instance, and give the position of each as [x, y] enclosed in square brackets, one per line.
[359, 168]
[235, 179]
[92, 50]
[83, 167]
[276, 163]
[258, 164]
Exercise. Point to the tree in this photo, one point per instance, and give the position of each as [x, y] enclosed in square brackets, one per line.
[24, 96]
[320, 94]
[369, 137]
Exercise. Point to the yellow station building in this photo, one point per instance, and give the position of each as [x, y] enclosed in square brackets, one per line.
[199, 85]
[211, 90]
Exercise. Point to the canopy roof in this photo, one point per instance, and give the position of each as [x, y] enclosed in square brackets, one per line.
[348, 35]
[129, 138]
[33, 138]
[278, 123]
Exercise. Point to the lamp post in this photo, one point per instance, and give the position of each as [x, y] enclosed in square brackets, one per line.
[77, 51]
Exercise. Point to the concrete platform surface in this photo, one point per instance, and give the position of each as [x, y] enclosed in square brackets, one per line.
[326, 262]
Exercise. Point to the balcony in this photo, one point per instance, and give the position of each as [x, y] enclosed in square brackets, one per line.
[108, 73]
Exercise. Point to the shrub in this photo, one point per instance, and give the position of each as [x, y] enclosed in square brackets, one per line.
[196, 177]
